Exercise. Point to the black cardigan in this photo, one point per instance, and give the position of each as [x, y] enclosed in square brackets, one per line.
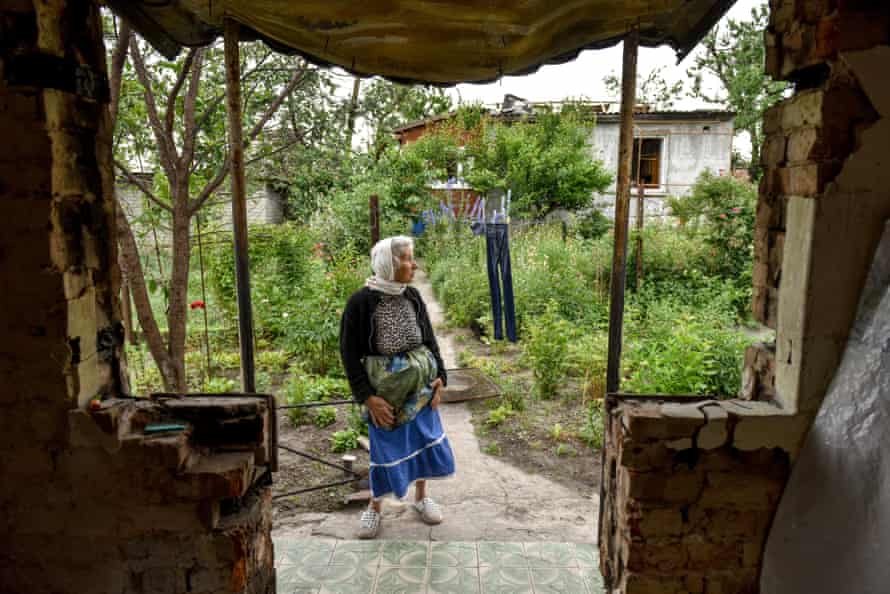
[357, 337]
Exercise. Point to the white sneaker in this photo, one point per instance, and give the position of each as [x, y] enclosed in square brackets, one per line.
[429, 511]
[370, 524]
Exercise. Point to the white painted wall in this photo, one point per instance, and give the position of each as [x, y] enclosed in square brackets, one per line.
[688, 149]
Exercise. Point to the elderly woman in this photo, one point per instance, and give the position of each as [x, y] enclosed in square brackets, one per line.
[395, 371]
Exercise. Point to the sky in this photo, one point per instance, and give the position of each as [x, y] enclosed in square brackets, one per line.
[583, 77]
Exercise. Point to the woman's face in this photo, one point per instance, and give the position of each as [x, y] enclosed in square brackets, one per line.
[407, 266]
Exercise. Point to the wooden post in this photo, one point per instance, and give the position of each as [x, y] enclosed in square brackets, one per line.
[127, 313]
[374, 205]
[622, 209]
[640, 220]
[239, 204]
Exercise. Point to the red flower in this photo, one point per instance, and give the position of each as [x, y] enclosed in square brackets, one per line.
[736, 210]
[722, 216]
[196, 304]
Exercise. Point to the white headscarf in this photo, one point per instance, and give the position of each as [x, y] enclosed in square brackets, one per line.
[384, 267]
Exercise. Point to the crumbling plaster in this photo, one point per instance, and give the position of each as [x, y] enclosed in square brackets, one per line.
[822, 276]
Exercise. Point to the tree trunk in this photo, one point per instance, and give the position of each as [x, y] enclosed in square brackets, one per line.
[179, 281]
[132, 266]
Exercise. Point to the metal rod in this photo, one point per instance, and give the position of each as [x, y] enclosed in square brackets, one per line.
[639, 242]
[239, 204]
[316, 403]
[317, 459]
[203, 297]
[374, 205]
[316, 488]
[273, 432]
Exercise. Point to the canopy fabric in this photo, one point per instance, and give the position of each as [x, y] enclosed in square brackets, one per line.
[432, 41]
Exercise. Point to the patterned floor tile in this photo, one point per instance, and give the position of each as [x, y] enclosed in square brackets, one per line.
[404, 554]
[558, 580]
[501, 554]
[401, 580]
[303, 552]
[593, 579]
[588, 555]
[550, 554]
[344, 579]
[453, 580]
[299, 577]
[505, 580]
[453, 554]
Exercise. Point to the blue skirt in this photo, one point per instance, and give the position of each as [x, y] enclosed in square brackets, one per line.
[415, 451]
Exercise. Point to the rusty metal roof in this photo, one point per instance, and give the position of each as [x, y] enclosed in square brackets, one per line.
[431, 41]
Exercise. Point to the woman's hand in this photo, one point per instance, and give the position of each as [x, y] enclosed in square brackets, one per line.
[380, 411]
[437, 393]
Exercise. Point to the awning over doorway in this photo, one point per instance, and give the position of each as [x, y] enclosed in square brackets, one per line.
[433, 41]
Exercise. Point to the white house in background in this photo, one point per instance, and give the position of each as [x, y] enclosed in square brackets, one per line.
[671, 149]
[265, 206]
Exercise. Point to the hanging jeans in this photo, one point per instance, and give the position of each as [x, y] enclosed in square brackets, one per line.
[498, 249]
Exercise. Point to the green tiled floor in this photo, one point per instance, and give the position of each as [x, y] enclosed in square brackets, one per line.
[398, 567]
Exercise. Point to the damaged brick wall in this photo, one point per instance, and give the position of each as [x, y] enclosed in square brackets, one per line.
[690, 491]
[809, 140]
[91, 502]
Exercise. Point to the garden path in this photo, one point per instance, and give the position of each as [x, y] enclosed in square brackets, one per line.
[486, 500]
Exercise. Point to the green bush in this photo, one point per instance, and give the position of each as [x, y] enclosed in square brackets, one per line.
[547, 350]
[343, 441]
[592, 431]
[272, 361]
[219, 385]
[302, 389]
[325, 416]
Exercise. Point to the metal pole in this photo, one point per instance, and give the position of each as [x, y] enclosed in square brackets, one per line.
[203, 298]
[622, 209]
[640, 215]
[374, 205]
[239, 204]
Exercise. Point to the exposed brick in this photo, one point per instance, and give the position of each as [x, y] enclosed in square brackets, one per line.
[740, 491]
[708, 555]
[663, 556]
[774, 150]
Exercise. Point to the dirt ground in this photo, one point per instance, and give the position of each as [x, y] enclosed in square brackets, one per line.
[544, 438]
[296, 472]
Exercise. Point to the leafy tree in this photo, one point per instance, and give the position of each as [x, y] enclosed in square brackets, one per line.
[735, 55]
[723, 207]
[385, 105]
[546, 162]
[171, 115]
[652, 89]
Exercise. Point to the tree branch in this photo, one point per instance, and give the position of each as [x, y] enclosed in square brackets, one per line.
[118, 59]
[273, 107]
[188, 117]
[174, 92]
[166, 149]
[138, 183]
[210, 188]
